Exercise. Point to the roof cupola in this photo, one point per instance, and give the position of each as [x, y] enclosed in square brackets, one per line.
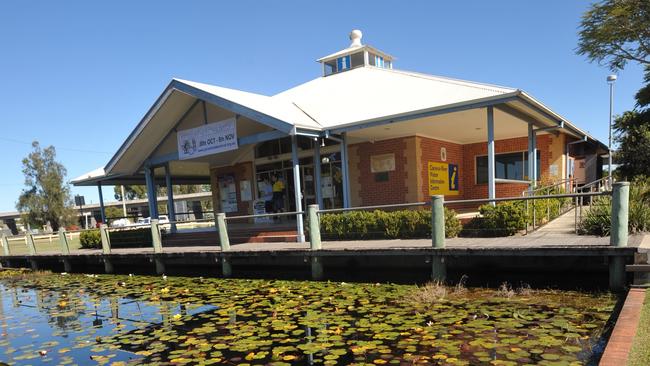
[356, 55]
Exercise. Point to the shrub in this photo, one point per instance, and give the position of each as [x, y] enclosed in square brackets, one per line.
[403, 224]
[90, 239]
[597, 219]
[504, 219]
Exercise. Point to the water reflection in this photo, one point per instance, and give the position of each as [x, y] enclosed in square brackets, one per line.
[114, 319]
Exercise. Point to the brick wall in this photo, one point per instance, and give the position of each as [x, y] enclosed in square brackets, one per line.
[395, 189]
[431, 151]
[471, 151]
[241, 171]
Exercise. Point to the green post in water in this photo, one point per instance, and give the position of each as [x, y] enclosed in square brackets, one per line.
[620, 210]
[156, 239]
[223, 232]
[5, 244]
[314, 227]
[63, 240]
[29, 241]
[438, 221]
[106, 239]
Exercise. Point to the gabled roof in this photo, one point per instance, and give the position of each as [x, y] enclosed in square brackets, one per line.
[351, 99]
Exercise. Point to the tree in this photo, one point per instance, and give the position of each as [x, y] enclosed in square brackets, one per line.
[614, 32]
[113, 212]
[131, 192]
[633, 137]
[46, 197]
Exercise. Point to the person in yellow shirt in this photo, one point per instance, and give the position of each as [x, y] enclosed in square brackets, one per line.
[278, 194]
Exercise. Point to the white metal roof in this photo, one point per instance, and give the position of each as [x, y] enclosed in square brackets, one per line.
[352, 98]
[367, 93]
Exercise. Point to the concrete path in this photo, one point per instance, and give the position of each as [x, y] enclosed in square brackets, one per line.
[562, 226]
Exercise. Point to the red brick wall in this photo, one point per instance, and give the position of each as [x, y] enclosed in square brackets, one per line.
[241, 171]
[471, 151]
[430, 151]
[393, 190]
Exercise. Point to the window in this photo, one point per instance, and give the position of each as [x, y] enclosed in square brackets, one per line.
[507, 166]
[378, 61]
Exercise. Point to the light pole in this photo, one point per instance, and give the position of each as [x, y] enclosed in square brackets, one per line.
[611, 79]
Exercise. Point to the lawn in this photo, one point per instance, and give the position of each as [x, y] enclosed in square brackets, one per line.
[640, 353]
[43, 243]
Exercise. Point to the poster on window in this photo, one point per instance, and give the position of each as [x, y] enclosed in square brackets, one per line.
[212, 138]
[443, 179]
[227, 193]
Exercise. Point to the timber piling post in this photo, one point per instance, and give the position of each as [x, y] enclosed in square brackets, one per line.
[315, 242]
[29, 241]
[619, 233]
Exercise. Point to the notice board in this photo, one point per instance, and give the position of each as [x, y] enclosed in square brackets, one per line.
[443, 179]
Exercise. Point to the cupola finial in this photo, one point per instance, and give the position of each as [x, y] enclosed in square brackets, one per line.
[355, 37]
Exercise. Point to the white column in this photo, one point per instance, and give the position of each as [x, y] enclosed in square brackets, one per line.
[317, 174]
[296, 188]
[102, 209]
[490, 153]
[171, 211]
[532, 156]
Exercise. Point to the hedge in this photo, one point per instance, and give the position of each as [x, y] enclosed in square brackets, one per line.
[504, 219]
[403, 224]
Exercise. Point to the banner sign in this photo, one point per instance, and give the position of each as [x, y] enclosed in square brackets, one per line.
[443, 179]
[209, 139]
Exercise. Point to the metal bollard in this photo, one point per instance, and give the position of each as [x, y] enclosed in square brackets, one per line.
[29, 241]
[314, 227]
[438, 221]
[156, 239]
[63, 240]
[5, 245]
[106, 239]
[223, 232]
[620, 206]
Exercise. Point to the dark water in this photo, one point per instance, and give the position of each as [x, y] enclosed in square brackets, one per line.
[86, 319]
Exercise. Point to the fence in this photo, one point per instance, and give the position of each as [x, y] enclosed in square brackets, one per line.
[150, 235]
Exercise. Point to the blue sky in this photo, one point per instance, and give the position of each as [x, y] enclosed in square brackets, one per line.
[79, 75]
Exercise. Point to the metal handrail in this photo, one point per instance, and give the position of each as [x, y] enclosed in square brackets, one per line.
[332, 210]
[265, 215]
[187, 221]
[531, 198]
[596, 183]
[557, 184]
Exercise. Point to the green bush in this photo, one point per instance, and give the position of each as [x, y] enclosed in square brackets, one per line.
[90, 239]
[504, 219]
[597, 219]
[403, 224]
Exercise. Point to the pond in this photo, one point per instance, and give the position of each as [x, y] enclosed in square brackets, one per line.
[68, 319]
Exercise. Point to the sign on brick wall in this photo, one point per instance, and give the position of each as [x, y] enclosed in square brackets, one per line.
[443, 179]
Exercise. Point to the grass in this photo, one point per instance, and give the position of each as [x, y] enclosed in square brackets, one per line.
[640, 352]
[17, 246]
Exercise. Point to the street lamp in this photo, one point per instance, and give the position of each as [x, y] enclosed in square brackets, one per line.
[611, 79]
